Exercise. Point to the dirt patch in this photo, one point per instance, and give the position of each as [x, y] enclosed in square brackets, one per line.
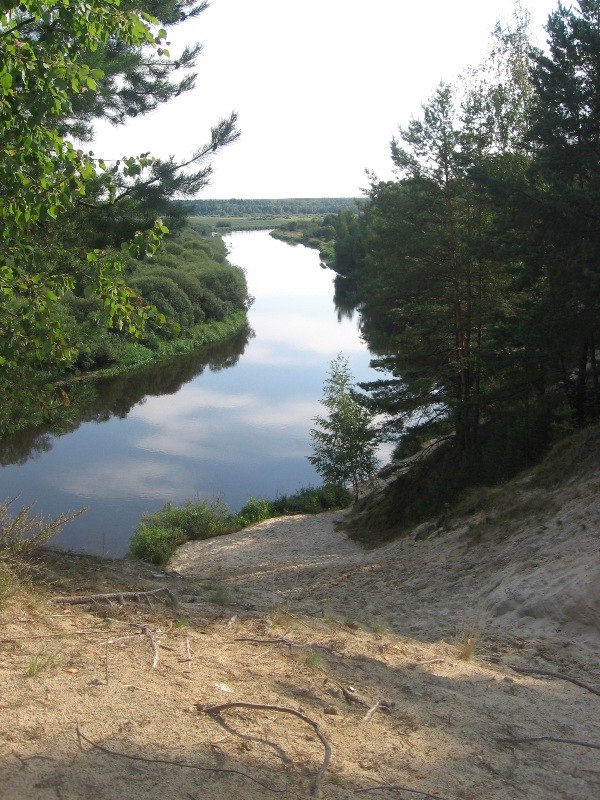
[293, 614]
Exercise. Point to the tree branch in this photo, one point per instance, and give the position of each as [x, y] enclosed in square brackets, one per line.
[109, 752]
[316, 788]
[550, 674]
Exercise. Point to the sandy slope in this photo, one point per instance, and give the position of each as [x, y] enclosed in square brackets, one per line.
[292, 613]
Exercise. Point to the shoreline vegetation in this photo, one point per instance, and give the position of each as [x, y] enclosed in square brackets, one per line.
[157, 537]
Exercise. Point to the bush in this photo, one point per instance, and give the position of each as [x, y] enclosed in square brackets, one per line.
[155, 544]
[313, 501]
[24, 533]
[158, 535]
[21, 535]
[254, 511]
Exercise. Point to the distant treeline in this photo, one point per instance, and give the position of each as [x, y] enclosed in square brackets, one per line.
[294, 205]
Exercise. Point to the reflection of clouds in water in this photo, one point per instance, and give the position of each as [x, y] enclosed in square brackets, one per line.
[133, 478]
[260, 353]
[212, 430]
[188, 400]
[301, 332]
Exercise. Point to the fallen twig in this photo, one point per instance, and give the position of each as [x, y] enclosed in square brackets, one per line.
[284, 640]
[384, 705]
[316, 787]
[147, 632]
[550, 674]
[532, 739]
[144, 759]
[401, 789]
[62, 635]
[188, 653]
[144, 631]
[415, 664]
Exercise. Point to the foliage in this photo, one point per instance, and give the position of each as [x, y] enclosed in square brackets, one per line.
[158, 535]
[66, 214]
[344, 443]
[254, 511]
[203, 297]
[328, 497]
[280, 207]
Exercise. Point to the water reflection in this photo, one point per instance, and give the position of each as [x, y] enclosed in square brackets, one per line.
[231, 421]
[117, 396]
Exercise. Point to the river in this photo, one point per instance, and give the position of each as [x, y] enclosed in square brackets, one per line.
[230, 422]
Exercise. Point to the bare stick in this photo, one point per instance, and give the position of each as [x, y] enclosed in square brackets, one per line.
[530, 739]
[384, 705]
[559, 675]
[284, 640]
[124, 638]
[316, 788]
[62, 635]
[147, 632]
[120, 596]
[109, 752]
[400, 789]
[416, 664]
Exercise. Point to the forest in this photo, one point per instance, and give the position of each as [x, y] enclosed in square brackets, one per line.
[277, 207]
[476, 271]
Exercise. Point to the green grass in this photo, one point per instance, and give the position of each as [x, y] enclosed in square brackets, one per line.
[158, 535]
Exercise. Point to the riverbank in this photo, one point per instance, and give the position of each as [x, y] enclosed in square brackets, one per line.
[459, 662]
[138, 355]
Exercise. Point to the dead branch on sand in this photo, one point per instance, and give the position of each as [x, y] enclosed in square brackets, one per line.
[549, 674]
[532, 739]
[284, 640]
[144, 631]
[81, 736]
[316, 787]
[383, 705]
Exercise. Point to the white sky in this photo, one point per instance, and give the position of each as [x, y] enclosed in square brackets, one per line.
[320, 87]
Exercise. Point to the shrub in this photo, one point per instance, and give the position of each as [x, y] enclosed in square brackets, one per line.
[21, 535]
[154, 544]
[158, 535]
[24, 533]
[313, 501]
[254, 511]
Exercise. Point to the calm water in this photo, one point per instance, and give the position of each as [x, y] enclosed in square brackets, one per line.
[231, 422]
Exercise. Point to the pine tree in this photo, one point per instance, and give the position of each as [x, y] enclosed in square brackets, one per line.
[557, 209]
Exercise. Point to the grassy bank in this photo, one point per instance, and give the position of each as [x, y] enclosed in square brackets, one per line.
[158, 535]
[132, 354]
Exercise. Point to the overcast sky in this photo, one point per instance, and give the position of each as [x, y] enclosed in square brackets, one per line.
[320, 87]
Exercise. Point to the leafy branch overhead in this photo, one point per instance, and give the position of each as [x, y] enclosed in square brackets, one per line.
[65, 213]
